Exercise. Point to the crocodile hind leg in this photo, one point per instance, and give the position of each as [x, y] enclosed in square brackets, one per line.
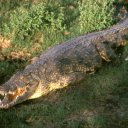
[106, 51]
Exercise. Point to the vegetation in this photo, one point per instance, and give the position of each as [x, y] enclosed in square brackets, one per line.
[28, 27]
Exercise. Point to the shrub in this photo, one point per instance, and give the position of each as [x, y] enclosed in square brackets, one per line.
[95, 15]
[55, 17]
[25, 24]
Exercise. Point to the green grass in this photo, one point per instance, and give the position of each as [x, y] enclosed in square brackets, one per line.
[100, 101]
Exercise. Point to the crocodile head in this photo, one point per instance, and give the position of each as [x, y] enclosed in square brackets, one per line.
[16, 91]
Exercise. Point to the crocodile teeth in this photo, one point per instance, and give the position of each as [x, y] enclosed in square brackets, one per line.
[11, 92]
[2, 90]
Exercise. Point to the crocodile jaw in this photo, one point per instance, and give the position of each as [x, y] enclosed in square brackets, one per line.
[19, 95]
[12, 98]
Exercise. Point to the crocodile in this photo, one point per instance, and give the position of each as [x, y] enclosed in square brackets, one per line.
[64, 64]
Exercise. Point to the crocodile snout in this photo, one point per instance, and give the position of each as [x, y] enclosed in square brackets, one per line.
[11, 98]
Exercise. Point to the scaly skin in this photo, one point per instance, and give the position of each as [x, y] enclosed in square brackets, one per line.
[64, 64]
